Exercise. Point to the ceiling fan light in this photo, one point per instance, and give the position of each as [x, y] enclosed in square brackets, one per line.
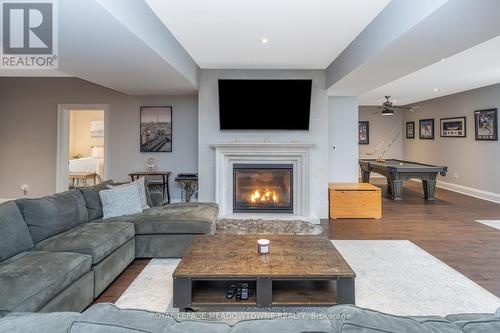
[387, 112]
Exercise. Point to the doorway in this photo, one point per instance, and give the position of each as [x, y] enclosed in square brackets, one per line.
[82, 146]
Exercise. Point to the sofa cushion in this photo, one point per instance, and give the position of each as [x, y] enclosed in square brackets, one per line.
[53, 214]
[462, 317]
[185, 218]
[105, 313]
[58, 322]
[31, 279]
[92, 199]
[95, 239]
[299, 325]
[89, 327]
[480, 326]
[145, 321]
[14, 234]
[348, 318]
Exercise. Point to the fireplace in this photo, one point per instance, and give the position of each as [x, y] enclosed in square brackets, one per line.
[263, 188]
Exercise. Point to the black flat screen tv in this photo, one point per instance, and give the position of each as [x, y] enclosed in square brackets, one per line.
[264, 104]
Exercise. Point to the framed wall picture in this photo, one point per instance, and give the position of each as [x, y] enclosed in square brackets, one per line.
[410, 130]
[97, 129]
[156, 129]
[364, 132]
[453, 127]
[486, 124]
[426, 129]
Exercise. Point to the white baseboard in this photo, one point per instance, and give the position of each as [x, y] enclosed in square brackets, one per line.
[4, 200]
[470, 191]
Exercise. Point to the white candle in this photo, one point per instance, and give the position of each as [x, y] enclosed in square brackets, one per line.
[263, 246]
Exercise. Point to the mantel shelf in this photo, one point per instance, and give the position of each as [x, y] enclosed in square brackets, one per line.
[263, 145]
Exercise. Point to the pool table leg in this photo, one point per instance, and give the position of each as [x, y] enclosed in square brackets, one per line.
[365, 176]
[396, 187]
[429, 189]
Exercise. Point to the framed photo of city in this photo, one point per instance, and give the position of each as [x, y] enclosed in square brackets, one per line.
[410, 130]
[486, 124]
[156, 129]
[453, 127]
[363, 133]
[426, 129]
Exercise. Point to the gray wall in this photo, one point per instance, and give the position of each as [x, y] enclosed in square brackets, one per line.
[28, 131]
[380, 134]
[209, 130]
[475, 163]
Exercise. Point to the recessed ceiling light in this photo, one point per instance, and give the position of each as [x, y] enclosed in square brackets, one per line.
[443, 59]
[265, 40]
[435, 89]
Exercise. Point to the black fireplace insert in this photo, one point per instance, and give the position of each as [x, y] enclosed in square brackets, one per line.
[263, 188]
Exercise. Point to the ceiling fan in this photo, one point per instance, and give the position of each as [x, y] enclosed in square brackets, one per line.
[387, 108]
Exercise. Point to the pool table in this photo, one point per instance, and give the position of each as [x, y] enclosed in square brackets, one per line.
[398, 171]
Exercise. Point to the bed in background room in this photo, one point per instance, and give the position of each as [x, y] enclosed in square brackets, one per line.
[94, 163]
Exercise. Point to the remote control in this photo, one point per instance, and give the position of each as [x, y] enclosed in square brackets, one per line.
[238, 292]
[244, 291]
[231, 291]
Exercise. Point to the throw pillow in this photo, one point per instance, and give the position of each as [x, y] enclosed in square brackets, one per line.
[120, 201]
[141, 186]
[92, 200]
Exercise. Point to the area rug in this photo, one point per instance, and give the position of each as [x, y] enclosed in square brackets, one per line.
[401, 278]
[395, 277]
[491, 223]
[267, 227]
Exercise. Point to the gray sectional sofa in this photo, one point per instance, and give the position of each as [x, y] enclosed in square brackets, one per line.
[58, 254]
[106, 318]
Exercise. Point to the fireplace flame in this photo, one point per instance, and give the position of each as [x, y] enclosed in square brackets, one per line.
[267, 196]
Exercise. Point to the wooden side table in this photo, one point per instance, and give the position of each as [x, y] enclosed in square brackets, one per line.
[85, 176]
[164, 176]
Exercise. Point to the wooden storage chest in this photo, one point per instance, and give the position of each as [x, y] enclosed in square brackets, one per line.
[354, 200]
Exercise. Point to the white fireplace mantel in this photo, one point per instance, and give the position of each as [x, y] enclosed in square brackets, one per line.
[295, 153]
[262, 145]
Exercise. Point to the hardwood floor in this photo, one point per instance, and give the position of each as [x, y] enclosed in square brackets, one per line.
[122, 282]
[446, 228]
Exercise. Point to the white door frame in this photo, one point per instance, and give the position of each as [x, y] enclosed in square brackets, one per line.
[63, 112]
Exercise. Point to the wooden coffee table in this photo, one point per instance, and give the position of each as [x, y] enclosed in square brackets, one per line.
[298, 271]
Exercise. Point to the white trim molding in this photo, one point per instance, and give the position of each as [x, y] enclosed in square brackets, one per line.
[470, 191]
[297, 154]
[465, 190]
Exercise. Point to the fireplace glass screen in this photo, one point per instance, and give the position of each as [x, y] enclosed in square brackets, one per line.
[263, 188]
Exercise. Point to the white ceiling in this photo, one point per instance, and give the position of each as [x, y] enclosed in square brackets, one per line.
[302, 33]
[476, 67]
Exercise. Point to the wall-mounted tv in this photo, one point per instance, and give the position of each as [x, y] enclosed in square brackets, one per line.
[264, 104]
